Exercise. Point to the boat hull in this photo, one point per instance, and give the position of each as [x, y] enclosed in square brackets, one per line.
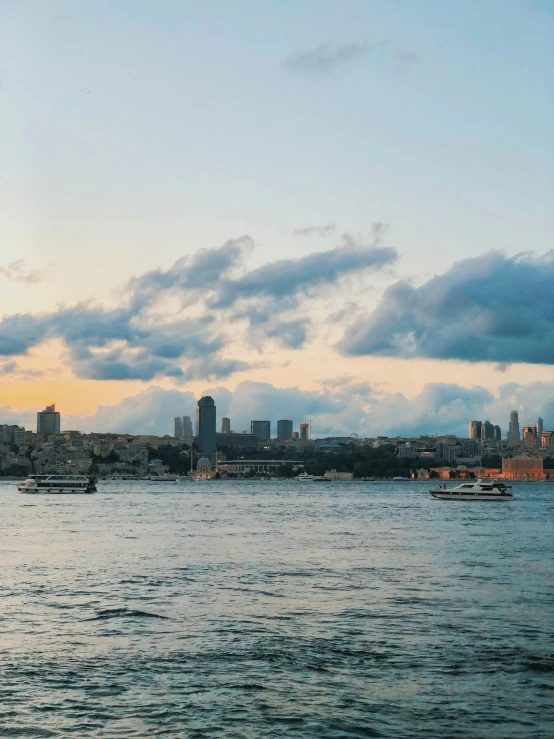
[55, 491]
[445, 495]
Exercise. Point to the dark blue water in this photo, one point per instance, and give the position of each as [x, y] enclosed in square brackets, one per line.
[276, 610]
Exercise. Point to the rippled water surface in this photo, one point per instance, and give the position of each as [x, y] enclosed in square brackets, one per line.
[247, 609]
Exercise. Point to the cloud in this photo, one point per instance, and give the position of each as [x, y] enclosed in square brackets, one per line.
[200, 271]
[327, 58]
[286, 279]
[17, 272]
[8, 368]
[176, 322]
[151, 411]
[491, 308]
[340, 408]
[322, 231]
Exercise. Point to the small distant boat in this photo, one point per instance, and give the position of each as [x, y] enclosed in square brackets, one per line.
[401, 479]
[479, 490]
[59, 484]
[304, 477]
[322, 479]
[367, 479]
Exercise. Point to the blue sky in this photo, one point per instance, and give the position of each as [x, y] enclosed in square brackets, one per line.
[141, 133]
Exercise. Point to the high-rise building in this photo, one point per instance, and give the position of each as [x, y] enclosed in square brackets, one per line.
[262, 429]
[539, 427]
[470, 448]
[205, 425]
[475, 429]
[48, 421]
[225, 425]
[445, 453]
[530, 436]
[237, 441]
[304, 428]
[487, 430]
[284, 430]
[187, 427]
[183, 427]
[513, 431]
[497, 433]
[547, 439]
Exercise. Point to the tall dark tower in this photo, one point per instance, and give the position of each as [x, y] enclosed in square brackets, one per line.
[205, 425]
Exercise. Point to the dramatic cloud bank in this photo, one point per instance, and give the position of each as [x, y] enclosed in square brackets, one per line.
[141, 339]
[489, 309]
[340, 408]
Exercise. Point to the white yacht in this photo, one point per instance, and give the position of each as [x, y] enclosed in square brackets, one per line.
[475, 490]
[303, 477]
[59, 484]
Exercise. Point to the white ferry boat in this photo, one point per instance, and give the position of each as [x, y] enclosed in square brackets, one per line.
[303, 477]
[60, 484]
[478, 490]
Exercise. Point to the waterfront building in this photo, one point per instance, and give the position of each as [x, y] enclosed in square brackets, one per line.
[513, 430]
[225, 425]
[284, 430]
[204, 469]
[338, 476]
[48, 421]
[239, 467]
[522, 468]
[261, 429]
[475, 429]
[205, 425]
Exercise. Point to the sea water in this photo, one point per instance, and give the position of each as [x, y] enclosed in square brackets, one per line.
[276, 609]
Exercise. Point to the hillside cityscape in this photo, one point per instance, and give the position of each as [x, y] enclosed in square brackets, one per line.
[198, 448]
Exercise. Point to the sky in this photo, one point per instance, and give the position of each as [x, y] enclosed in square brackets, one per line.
[336, 211]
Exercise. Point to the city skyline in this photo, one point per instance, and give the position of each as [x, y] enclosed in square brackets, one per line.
[264, 255]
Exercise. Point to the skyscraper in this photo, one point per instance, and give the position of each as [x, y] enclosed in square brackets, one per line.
[539, 427]
[497, 433]
[262, 429]
[205, 425]
[284, 430]
[530, 436]
[225, 425]
[475, 429]
[304, 428]
[183, 427]
[187, 427]
[48, 421]
[513, 431]
[487, 430]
